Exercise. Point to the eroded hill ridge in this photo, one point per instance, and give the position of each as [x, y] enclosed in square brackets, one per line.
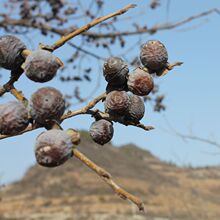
[72, 191]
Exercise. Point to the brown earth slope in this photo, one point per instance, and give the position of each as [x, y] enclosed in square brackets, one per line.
[72, 191]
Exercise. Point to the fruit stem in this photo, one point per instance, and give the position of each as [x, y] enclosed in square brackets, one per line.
[9, 87]
[169, 67]
[108, 179]
[85, 109]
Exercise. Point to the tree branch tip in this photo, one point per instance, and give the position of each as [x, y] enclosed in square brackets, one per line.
[132, 5]
[179, 63]
[141, 207]
[216, 10]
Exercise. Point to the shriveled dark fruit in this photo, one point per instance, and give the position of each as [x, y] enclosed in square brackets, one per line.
[115, 71]
[101, 131]
[117, 103]
[136, 109]
[46, 104]
[53, 148]
[10, 52]
[41, 66]
[154, 55]
[13, 118]
[140, 82]
[110, 88]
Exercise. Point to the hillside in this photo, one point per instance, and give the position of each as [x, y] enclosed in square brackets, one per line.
[72, 191]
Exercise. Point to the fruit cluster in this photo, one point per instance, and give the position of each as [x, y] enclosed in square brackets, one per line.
[124, 89]
[123, 101]
[47, 105]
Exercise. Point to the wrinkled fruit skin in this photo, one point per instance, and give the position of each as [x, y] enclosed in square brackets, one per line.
[53, 148]
[110, 88]
[46, 104]
[136, 109]
[140, 82]
[117, 103]
[101, 131]
[41, 66]
[13, 118]
[10, 52]
[154, 55]
[115, 71]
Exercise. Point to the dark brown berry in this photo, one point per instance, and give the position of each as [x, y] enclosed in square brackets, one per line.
[10, 52]
[53, 148]
[115, 71]
[101, 131]
[117, 102]
[47, 104]
[136, 109]
[140, 82]
[13, 118]
[110, 88]
[41, 66]
[154, 55]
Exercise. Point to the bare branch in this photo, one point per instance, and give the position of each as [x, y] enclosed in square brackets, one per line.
[155, 28]
[85, 28]
[9, 87]
[87, 110]
[45, 27]
[108, 179]
[169, 67]
[197, 138]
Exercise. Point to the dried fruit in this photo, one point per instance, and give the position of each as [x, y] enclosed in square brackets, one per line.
[117, 103]
[46, 104]
[115, 71]
[154, 55]
[140, 82]
[101, 131]
[13, 118]
[136, 109]
[110, 88]
[53, 148]
[41, 66]
[10, 52]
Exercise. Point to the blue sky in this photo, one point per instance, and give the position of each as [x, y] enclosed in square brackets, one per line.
[192, 92]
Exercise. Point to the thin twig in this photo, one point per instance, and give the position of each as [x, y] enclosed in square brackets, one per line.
[86, 27]
[108, 179]
[197, 138]
[9, 87]
[169, 67]
[165, 26]
[18, 95]
[103, 115]
[86, 51]
[84, 110]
